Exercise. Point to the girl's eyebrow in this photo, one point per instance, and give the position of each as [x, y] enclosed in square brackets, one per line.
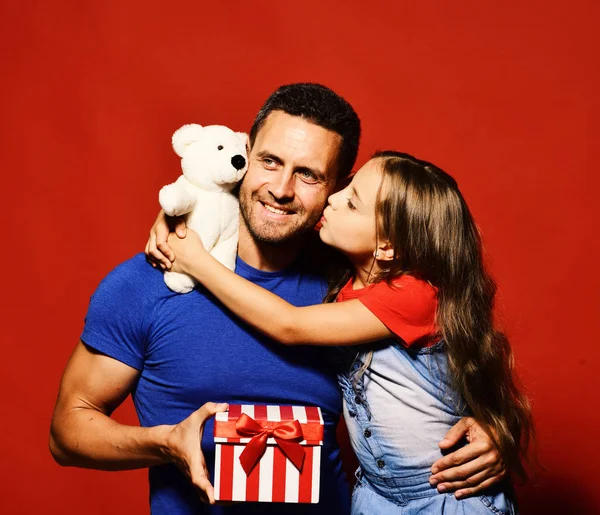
[355, 193]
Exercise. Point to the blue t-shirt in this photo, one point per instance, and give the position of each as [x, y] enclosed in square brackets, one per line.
[190, 349]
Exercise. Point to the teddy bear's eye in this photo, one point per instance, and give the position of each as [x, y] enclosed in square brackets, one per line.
[220, 147]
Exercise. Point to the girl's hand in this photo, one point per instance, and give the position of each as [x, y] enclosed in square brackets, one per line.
[158, 252]
[188, 250]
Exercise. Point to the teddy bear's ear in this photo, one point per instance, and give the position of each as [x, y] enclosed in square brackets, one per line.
[244, 137]
[185, 136]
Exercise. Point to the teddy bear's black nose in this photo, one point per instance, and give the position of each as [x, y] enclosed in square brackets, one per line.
[238, 162]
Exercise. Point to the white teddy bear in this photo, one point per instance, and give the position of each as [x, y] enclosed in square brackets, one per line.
[214, 160]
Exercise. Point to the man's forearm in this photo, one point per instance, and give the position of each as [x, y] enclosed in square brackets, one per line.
[84, 437]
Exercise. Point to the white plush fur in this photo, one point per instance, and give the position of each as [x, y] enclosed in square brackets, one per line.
[211, 159]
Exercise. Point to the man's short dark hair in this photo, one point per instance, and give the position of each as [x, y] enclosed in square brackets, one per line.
[321, 106]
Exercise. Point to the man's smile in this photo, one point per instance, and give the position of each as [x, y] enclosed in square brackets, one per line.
[276, 210]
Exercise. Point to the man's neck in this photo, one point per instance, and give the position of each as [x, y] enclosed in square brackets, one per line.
[266, 256]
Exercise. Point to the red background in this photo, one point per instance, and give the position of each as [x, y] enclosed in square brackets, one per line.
[501, 94]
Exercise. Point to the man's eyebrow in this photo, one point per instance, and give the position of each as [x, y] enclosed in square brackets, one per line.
[321, 177]
[265, 153]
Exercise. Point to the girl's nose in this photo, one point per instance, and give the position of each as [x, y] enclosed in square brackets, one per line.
[332, 200]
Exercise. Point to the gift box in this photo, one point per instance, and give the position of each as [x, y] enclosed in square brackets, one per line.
[268, 453]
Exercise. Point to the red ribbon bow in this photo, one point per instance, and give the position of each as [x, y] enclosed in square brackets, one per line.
[286, 434]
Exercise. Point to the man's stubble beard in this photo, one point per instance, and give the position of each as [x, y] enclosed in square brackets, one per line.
[273, 233]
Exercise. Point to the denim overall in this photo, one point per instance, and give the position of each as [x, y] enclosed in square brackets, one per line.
[396, 414]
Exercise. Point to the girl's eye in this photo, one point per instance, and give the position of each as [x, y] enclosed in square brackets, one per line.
[351, 206]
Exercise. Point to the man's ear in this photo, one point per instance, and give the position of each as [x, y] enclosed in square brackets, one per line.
[384, 251]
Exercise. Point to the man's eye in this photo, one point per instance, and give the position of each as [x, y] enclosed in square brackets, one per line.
[351, 206]
[308, 176]
[268, 162]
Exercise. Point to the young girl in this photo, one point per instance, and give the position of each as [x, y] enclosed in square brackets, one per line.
[416, 287]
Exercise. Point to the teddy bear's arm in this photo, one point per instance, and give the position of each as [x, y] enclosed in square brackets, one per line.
[177, 198]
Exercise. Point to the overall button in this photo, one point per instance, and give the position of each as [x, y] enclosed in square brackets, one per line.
[380, 463]
[367, 433]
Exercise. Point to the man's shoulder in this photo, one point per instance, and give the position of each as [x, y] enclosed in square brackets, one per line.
[135, 267]
[119, 315]
[134, 278]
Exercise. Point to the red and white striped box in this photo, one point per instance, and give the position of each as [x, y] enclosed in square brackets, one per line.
[268, 453]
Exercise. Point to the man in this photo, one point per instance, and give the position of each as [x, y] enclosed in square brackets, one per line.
[174, 353]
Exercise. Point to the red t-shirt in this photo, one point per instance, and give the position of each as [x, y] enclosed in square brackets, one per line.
[407, 307]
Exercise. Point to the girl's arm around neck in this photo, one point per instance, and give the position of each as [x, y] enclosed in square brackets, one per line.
[339, 323]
